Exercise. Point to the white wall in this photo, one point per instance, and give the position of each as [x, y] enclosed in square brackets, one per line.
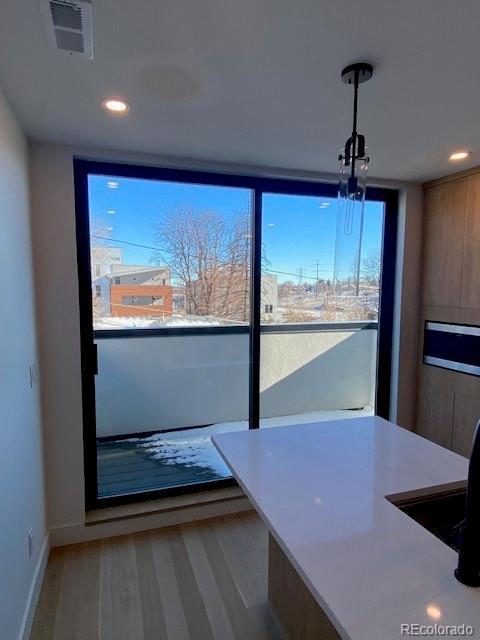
[59, 330]
[57, 289]
[165, 382]
[21, 468]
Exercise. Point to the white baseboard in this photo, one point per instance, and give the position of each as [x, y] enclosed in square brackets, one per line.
[80, 532]
[34, 591]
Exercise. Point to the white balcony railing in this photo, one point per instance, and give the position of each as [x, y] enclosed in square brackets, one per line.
[163, 381]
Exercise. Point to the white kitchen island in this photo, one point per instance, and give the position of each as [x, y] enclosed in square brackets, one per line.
[344, 561]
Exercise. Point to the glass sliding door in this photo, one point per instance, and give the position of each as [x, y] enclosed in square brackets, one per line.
[319, 310]
[213, 302]
[170, 288]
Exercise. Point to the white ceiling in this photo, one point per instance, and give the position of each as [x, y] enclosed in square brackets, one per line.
[257, 81]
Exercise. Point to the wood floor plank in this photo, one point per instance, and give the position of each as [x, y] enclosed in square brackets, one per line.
[238, 613]
[257, 533]
[187, 582]
[80, 583]
[120, 606]
[171, 601]
[194, 607]
[45, 614]
[207, 585]
[246, 557]
[154, 627]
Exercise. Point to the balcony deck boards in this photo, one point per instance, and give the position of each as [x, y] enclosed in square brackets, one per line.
[124, 467]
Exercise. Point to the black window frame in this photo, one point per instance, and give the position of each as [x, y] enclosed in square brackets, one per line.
[258, 185]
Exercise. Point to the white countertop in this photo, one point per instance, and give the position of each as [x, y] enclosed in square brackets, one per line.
[321, 487]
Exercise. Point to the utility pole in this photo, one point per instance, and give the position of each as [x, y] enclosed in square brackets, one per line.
[298, 295]
[316, 284]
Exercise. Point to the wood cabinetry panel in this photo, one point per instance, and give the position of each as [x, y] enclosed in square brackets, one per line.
[470, 292]
[448, 403]
[466, 414]
[435, 405]
[444, 230]
[296, 608]
[445, 314]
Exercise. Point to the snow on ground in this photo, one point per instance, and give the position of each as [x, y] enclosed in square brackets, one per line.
[193, 447]
[133, 322]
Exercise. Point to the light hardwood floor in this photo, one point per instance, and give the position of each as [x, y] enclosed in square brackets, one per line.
[200, 581]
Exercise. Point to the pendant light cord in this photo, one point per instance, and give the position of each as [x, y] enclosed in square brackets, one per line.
[354, 132]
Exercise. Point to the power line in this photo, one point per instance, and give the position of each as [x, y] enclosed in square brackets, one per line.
[220, 262]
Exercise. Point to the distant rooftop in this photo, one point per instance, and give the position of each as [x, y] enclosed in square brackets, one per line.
[126, 269]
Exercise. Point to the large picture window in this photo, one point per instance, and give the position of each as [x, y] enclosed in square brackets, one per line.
[179, 253]
[216, 303]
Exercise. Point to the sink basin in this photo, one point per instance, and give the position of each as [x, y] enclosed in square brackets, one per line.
[442, 514]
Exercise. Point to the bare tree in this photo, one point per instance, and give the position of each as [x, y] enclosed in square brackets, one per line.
[286, 291]
[371, 267]
[210, 256]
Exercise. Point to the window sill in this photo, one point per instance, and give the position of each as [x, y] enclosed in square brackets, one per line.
[162, 505]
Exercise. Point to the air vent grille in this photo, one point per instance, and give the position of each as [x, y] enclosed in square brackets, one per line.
[69, 41]
[68, 24]
[66, 15]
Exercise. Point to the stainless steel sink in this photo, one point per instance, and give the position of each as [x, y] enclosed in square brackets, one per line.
[442, 514]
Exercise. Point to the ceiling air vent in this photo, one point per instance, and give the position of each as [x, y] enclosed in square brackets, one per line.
[69, 26]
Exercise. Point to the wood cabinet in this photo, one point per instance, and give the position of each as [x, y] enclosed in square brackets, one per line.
[435, 406]
[470, 290]
[448, 402]
[444, 231]
[466, 413]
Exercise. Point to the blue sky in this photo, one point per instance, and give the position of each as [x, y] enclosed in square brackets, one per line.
[297, 231]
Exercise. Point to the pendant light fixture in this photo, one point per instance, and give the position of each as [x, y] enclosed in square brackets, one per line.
[353, 158]
[351, 189]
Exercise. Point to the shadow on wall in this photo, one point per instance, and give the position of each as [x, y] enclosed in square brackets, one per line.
[342, 377]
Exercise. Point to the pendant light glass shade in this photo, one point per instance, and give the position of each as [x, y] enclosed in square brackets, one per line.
[348, 240]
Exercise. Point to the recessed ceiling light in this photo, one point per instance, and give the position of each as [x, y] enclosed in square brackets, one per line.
[111, 184]
[460, 155]
[116, 105]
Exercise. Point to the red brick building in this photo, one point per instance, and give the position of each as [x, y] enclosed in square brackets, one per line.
[141, 300]
[136, 290]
